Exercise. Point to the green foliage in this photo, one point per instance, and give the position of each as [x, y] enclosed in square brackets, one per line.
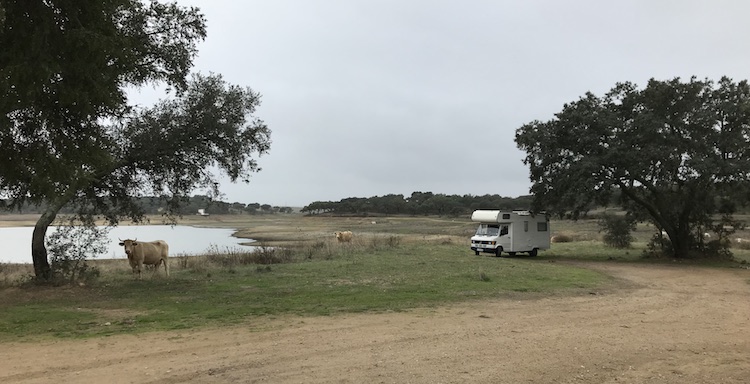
[64, 68]
[69, 247]
[658, 246]
[617, 230]
[717, 249]
[669, 152]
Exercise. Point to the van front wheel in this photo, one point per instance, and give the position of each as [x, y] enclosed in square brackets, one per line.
[498, 251]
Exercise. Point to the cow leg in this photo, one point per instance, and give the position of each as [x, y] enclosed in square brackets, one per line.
[166, 266]
[133, 264]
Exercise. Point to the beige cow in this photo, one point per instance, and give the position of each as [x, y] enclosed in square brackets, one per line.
[345, 236]
[146, 252]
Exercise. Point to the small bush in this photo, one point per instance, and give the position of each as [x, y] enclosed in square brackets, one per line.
[617, 230]
[658, 246]
[70, 245]
[269, 255]
[718, 249]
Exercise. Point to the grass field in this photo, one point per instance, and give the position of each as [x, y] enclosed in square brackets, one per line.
[394, 264]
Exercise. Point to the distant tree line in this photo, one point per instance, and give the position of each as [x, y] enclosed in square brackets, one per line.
[156, 206]
[419, 203]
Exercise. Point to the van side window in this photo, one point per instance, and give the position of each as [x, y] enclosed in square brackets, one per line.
[541, 227]
[525, 226]
[506, 216]
[503, 230]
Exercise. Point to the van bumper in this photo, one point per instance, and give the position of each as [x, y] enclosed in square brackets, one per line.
[482, 249]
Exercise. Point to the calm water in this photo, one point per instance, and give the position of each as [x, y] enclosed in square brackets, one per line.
[182, 240]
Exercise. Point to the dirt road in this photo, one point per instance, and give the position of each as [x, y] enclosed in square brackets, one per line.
[670, 325]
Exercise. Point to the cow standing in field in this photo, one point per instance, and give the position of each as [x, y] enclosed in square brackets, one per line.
[345, 236]
[146, 252]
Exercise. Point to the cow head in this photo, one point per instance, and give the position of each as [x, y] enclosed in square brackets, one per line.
[129, 245]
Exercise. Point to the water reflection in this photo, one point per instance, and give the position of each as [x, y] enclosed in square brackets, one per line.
[182, 240]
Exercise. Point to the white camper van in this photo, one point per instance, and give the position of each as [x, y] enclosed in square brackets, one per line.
[510, 231]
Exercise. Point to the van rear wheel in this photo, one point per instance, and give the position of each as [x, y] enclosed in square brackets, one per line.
[533, 252]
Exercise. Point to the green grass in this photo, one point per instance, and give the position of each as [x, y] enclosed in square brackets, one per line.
[593, 250]
[355, 279]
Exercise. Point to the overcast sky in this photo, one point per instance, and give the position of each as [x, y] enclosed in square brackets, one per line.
[368, 98]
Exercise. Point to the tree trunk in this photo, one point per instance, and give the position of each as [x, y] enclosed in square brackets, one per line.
[42, 269]
[681, 248]
[681, 242]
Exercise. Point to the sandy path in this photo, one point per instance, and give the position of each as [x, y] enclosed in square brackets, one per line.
[675, 325]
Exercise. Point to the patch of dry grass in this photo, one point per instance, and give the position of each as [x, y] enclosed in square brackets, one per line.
[14, 274]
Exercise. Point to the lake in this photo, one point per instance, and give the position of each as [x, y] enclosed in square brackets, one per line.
[182, 240]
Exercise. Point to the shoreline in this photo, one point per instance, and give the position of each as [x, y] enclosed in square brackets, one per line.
[17, 230]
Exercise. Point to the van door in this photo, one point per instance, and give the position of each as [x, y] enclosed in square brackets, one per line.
[527, 236]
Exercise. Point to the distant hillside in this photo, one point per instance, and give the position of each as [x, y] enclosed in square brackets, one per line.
[155, 206]
[419, 203]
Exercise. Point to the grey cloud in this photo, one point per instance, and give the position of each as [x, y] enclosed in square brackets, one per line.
[368, 98]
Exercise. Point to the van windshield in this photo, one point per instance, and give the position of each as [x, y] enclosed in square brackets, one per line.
[488, 230]
[492, 230]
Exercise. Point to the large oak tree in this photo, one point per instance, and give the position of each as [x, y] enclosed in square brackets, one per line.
[69, 137]
[675, 152]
